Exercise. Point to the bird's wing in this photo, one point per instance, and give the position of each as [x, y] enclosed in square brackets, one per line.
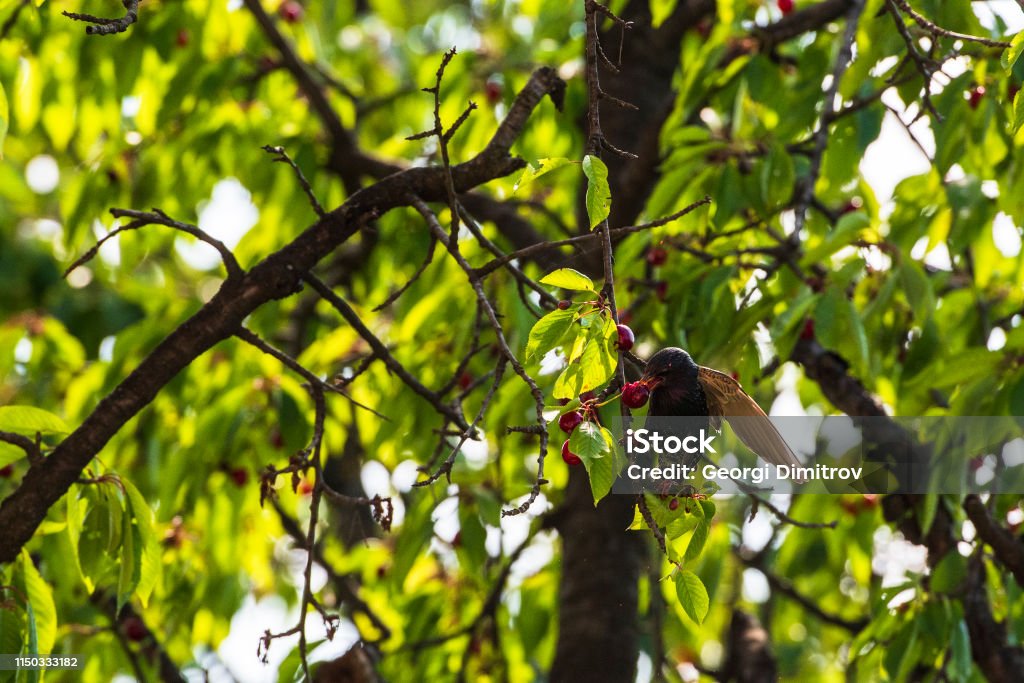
[727, 399]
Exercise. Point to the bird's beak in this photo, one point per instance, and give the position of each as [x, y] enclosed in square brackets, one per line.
[651, 382]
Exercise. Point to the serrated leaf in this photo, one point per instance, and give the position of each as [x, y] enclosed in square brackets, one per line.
[28, 420]
[693, 596]
[567, 278]
[599, 194]
[569, 382]
[593, 444]
[543, 167]
[599, 359]
[548, 332]
[1012, 54]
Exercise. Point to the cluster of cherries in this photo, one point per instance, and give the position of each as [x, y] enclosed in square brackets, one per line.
[634, 395]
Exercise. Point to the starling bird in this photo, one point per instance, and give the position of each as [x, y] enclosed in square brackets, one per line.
[680, 387]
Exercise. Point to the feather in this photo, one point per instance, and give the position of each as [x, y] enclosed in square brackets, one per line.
[727, 399]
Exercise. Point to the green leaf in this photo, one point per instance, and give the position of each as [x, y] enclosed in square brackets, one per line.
[544, 166]
[960, 645]
[28, 420]
[131, 561]
[567, 278]
[593, 444]
[151, 565]
[4, 118]
[40, 600]
[33, 641]
[700, 532]
[599, 194]
[1012, 54]
[548, 332]
[693, 596]
[918, 289]
[1018, 111]
[661, 10]
[599, 358]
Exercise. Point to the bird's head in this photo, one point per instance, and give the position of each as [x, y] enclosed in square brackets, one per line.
[672, 365]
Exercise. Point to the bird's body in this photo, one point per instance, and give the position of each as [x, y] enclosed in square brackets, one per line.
[681, 388]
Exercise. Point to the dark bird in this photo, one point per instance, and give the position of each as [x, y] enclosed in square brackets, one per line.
[680, 387]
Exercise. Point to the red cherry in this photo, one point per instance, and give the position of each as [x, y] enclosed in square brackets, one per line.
[133, 628]
[661, 290]
[181, 40]
[807, 333]
[568, 456]
[291, 11]
[492, 90]
[673, 504]
[570, 421]
[975, 96]
[785, 6]
[626, 337]
[635, 395]
[240, 476]
[564, 304]
[657, 256]
[6, 471]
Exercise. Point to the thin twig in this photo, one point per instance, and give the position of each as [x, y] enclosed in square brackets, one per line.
[281, 156]
[101, 26]
[937, 30]
[158, 217]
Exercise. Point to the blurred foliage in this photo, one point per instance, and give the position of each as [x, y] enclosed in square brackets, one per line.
[921, 294]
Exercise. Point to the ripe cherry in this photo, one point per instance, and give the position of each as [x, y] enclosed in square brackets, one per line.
[673, 504]
[657, 256]
[568, 456]
[134, 629]
[785, 6]
[240, 476]
[291, 11]
[570, 421]
[564, 304]
[976, 94]
[493, 92]
[635, 394]
[626, 337]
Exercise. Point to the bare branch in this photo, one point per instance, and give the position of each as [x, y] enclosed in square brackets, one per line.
[103, 26]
